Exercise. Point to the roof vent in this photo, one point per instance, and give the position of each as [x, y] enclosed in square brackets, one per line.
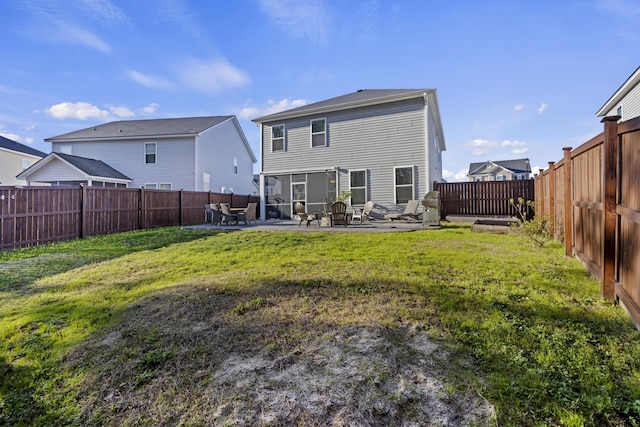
[120, 129]
[360, 90]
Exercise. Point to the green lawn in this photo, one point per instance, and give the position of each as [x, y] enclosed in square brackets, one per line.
[186, 327]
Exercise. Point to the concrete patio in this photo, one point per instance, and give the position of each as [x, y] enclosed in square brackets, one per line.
[374, 226]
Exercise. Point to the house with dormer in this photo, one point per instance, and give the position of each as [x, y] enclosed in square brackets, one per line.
[383, 145]
[500, 170]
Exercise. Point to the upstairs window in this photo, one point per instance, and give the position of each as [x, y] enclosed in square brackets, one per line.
[277, 138]
[318, 133]
[404, 184]
[150, 149]
[358, 187]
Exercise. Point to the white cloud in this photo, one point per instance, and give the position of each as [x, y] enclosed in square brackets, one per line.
[542, 108]
[212, 76]
[481, 147]
[507, 143]
[520, 151]
[536, 169]
[76, 110]
[149, 81]
[518, 107]
[461, 175]
[149, 109]
[122, 112]
[299, 19]
[104, 10]
[11, 136]
[271, 107]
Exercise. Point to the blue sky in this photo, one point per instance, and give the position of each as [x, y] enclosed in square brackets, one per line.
[514, 78]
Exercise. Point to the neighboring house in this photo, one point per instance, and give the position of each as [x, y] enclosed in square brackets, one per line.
[14, 158]
[503, 170]
[625, 102]
[383, 145]
[196, 154]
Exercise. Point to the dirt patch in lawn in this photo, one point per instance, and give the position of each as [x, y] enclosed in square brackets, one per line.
[206, 356]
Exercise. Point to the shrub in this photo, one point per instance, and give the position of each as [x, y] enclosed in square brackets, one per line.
[538, 228]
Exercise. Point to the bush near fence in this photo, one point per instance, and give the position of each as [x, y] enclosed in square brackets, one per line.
[593, 194]
[35, 215]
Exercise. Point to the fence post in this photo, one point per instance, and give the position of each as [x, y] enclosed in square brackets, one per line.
[552, 198]
[609, 201]
[83, 210]
[180, 204]
[568, 204]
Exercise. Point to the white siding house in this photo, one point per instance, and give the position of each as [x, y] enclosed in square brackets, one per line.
[625, 102]
[197, 154]
[383, 145]
[14, 158]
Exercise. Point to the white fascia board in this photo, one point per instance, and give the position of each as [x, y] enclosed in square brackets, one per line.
[615, 99]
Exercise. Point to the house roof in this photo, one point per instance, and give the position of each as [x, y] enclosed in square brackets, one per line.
[94, 169]
[9, 144]
[360, 98]
[615, 99]
[188, 126]
[489, 167]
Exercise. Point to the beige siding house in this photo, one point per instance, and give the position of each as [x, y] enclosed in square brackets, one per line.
[383, 145]
[500, 170]
[15, 158]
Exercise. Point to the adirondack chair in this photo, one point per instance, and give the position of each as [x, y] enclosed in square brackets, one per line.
[305, 216]
[339, 214]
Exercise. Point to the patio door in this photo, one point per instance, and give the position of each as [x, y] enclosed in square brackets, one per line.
[298, 194]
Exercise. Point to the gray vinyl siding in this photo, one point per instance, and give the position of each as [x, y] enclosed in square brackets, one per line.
[375, 139]
[175, 162]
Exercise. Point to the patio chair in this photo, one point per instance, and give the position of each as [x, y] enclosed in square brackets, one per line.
[339, 214]
[362, 214]
[410, 211]
[305, 216]
[249, 214]
[227, 217]
[212, 213]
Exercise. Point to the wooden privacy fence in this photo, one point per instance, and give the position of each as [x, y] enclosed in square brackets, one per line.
[593, 195]
[487, 198]
[34, 215]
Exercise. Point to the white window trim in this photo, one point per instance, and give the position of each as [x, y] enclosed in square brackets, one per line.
[165, 183]
[284, 137]
[413, 181]
[155, 152]
[151, 186]
[312, 133]
[366, 188]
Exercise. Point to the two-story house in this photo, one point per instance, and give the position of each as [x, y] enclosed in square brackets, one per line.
[14, 158]
[500, 170]
[625, 102]
[194, 153]
[383, 145]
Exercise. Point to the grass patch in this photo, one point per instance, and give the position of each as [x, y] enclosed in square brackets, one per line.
[177, 327]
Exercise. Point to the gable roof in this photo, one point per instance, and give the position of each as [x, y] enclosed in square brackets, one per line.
[91, 168]
[360, 98]
[11, 145]
[622, 91]
[489, 167]
[188, 126]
